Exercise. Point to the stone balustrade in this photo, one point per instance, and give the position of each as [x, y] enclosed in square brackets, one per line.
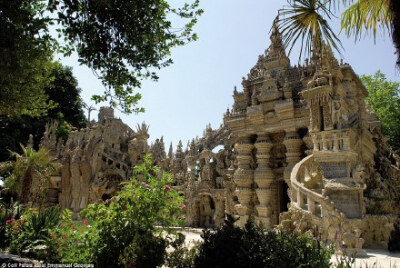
[237, 115]
[333, 140]
[310, 200]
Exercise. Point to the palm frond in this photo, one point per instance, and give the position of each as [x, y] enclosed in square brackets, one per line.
[366, 16]
[304, 20]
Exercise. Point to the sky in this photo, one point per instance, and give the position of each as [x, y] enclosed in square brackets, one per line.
[197, 89]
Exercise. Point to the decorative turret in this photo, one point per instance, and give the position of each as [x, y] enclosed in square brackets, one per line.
[179, 150]
[170, 151]
[275, 54]
[105, 112]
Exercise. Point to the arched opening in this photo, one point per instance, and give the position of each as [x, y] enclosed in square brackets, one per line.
[284, 198]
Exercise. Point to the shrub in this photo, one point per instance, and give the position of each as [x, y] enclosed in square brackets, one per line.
[146, 250]
[122, 229]
[31, 236]
[231, 246]
[8, 213]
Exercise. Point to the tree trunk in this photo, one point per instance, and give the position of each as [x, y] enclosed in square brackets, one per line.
[26, 186]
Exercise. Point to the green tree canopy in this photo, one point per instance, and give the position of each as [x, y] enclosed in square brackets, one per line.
[384, 101]
[63, 93]
[25, 52]
[123, 41]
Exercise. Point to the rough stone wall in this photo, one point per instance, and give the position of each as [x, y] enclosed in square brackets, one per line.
[96, 159]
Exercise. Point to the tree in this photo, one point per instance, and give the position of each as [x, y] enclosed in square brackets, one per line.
[123, 41]
[25, 52]
[64, 91]
[384, 100]
[305, 20]
[67, 108]
[31, 175]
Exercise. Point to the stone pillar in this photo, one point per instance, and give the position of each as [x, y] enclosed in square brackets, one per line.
[264, 178]
[293, 143]
[243, 178]
[307, 139]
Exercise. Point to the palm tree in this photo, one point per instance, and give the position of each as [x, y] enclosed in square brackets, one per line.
[31, 175]
[305, 20]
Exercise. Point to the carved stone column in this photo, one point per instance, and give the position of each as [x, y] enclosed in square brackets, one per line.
[244, 178]
[307, 139]
[264, 177]
[293, 143]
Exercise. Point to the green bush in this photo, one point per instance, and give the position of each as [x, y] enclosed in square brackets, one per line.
[31, 237]
[8, 214]
[123, 229]
[231, 246]
[146, 250]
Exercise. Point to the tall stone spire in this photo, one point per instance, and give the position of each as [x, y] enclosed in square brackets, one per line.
[170, 151]
[275, 54]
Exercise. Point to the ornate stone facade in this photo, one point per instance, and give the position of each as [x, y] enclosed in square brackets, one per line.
[298, 148]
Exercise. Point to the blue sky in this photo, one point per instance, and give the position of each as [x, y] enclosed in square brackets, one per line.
[197, 88]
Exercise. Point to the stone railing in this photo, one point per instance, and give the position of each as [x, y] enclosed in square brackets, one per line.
[310, 200]
[238, 115]
[333, 140]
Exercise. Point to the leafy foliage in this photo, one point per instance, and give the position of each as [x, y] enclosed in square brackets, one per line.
[307, 20]
[182, 256]
[384, 101]
[26, 51]
[231, 246]
[31, 237]
[8, 211]
[366, 15]
[31, 174]
[63, 92]
[123, 41]
[304, 19]
[122, 230]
